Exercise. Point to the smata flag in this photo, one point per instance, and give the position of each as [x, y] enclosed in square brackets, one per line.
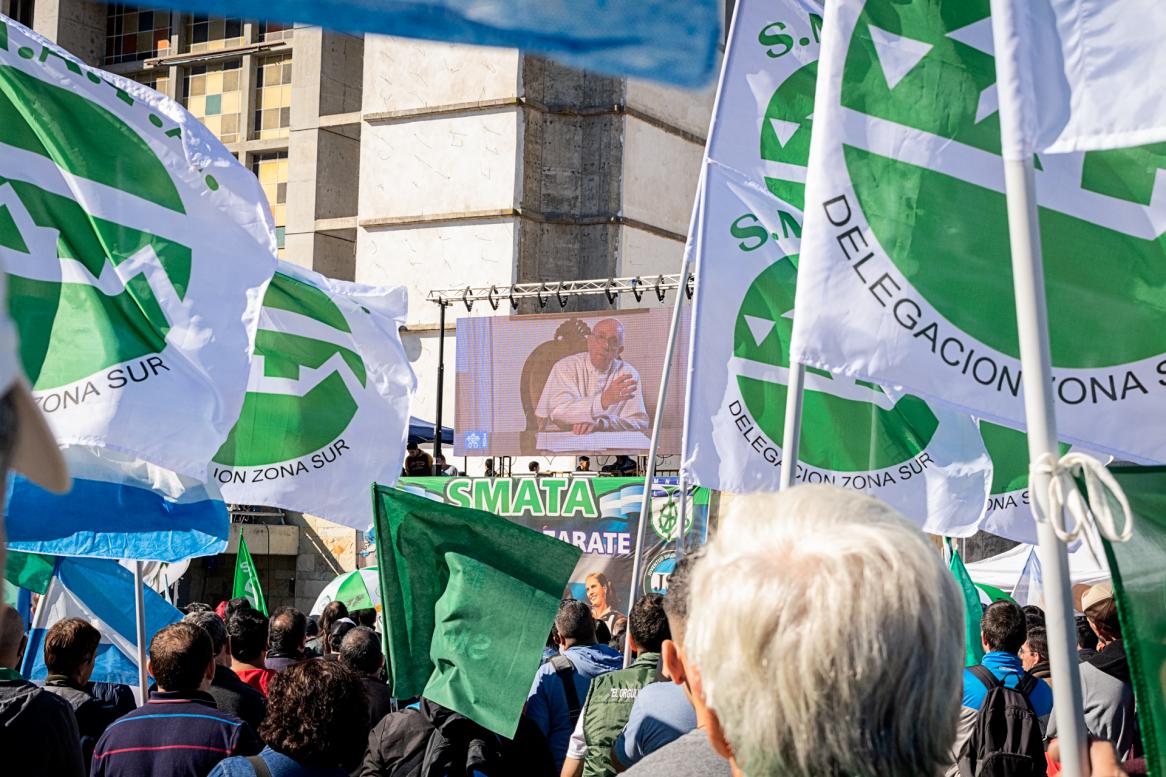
[906, 274]
[929, 463]
[1082, 67]
[327, 407]
[137, 251]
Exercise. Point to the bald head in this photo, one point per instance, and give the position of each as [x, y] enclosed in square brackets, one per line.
[605, 343]
[11, 637]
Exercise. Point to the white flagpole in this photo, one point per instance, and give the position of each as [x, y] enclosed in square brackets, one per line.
[1039, 410]
[791, 435]
[658, 420]
[140, 619]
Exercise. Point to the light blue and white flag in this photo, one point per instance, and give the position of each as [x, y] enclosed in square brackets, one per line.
[1028, 589]
[669, 40]
[119, 508]
[101, 592]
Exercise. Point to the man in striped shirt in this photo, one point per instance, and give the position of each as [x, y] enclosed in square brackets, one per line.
[179, 732]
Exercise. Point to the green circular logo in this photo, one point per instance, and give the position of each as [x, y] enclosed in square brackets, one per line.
[314, 404]
[856, 411]
[667, 515]
[926, 68]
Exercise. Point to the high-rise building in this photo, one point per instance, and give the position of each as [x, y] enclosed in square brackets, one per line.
[392, 161]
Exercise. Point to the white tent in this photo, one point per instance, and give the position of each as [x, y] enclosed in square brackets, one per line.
[1004, 570]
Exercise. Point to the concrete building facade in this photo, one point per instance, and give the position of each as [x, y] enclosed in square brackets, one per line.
[485, 167]
[392, 161]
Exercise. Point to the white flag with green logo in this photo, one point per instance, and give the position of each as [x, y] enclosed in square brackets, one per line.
[930, 464]
[137, 251]
[327, 407]
[906, 276]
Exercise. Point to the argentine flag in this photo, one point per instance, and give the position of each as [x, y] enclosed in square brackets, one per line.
[120, 507]
[101, 592]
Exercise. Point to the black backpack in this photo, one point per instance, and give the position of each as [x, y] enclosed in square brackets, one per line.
[1006, 740]
[566, 673]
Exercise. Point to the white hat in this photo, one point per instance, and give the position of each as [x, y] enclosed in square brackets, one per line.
[1098, 593]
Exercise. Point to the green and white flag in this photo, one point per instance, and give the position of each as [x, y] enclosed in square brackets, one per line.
[247, 578]
[930, 464]
[1139, 586]
[327, 407]
[137, 251]
[906, 276]
[973, 613]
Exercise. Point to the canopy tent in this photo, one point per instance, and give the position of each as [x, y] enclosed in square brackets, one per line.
[422, 432]
[1003, 571]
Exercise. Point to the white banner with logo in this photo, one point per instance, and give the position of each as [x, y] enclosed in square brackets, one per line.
[906, 274]
[929, 464]
[327, 407]
[137, 251]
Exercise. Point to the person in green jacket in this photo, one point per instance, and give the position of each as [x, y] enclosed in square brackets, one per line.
[611, 695]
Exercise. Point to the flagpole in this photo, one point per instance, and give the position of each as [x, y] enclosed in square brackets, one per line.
[792, 433]
[681, 512]
[657, 423]
[140, 618]
[1039, 411]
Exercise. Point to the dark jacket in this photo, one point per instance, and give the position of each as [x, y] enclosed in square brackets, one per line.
[173, 734]
[93, 715]
[380, 700]
[278, 660]
[38, 731]
[236, 697]
[119, 698]
[397, 746]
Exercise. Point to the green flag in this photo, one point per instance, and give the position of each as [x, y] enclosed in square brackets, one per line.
[974, 648]
[29, 571]
[247, 578]
[1139, 586]
[468, 599]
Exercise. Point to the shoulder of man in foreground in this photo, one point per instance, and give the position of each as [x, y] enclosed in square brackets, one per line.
[691, 754]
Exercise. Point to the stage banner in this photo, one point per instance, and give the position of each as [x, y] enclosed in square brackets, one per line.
[327, 407]
[137, 250]
[927, 462]
[598, 515]
[906, 270]
[564, 384]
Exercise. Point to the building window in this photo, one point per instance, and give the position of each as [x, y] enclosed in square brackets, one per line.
[158, 80]
[133, 34]
[204, 34]
[212, 94]
[22, 12]
[269, 31]
[271, 170]
[273, 97]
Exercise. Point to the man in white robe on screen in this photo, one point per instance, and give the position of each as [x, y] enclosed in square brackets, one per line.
[594, 391]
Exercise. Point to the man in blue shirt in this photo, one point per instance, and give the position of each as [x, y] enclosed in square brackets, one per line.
[1002, 631]
[547, 705]
[662, 712]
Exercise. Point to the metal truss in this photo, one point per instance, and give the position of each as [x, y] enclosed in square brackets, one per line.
[562, 291]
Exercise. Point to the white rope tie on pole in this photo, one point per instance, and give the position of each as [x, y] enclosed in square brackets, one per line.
[1063, 496]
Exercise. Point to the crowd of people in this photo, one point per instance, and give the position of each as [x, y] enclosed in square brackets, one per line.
[817, 634]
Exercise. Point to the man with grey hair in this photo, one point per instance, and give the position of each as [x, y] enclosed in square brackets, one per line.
[594, 391]
[804, 655]
[229, 692]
